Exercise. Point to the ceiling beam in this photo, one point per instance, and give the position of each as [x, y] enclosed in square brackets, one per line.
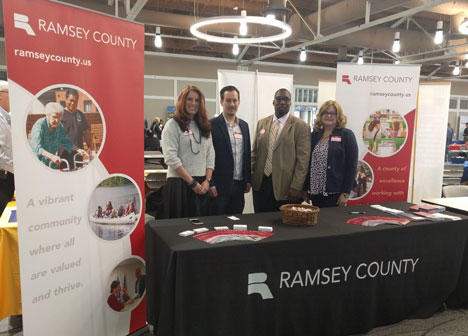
[409, 12]
[136, 9]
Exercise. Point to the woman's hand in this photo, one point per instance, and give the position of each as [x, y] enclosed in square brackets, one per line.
[197, 189]
[205, 187]
[342, 200]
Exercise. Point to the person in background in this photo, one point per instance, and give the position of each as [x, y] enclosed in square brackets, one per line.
[333, 159]
[280, 157]
[7, 181]
[151, 142]
[373, 132]
[140, 285]
[48, 135]
[189, 154]
[156, 128]
[465, 134]
[231, 142]
[113, 301]
[74, 121]
[448, 140]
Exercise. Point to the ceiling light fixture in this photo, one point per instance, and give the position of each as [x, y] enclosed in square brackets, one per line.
[396, 42]
[463, 28]
[397, 61]
[439, 34]
[243, 24]
[456, 70]
[466, 56]
[302, 56]
[260, 20]
[235, 47]
[360, 58]
[157, 38]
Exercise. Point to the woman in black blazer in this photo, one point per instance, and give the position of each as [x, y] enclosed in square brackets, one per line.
[333, 159]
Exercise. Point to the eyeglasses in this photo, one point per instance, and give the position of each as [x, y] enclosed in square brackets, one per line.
[282, 98]
[330, 114]
[4, 90]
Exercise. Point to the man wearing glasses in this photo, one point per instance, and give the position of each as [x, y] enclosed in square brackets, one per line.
[280, 157]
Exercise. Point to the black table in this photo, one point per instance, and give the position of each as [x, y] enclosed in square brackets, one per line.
[330, 279]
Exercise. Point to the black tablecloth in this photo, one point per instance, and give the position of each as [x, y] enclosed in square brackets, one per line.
[330, 279]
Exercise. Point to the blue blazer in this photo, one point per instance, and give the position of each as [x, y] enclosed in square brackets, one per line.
[224, 161]
[342, 160]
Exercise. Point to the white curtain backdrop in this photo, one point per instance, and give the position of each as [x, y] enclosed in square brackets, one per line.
[431, 131]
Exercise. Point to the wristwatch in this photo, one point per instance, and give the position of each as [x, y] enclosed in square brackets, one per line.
[208, 179]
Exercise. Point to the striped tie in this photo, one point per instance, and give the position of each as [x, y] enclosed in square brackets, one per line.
[271, 145]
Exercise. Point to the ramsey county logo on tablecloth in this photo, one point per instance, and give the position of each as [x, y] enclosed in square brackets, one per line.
[257, 284]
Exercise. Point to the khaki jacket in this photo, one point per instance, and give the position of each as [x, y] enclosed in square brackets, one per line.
[291, 155]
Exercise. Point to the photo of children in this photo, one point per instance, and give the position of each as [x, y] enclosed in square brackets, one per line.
[64, 128]
[384, 132]
[114, 208]
[126, 285]
[364, 180]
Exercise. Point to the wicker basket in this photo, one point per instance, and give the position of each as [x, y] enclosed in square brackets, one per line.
[294, 217]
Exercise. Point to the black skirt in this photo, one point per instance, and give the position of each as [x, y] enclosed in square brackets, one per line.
[181, 201]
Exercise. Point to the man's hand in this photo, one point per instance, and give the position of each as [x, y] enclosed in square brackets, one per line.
[306, 196]
[293, 195]
[213, 192]
[248, 186]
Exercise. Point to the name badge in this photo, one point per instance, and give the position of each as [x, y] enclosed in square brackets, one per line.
[237, 135]
[188, 133]
[262, 131]
[336, 138]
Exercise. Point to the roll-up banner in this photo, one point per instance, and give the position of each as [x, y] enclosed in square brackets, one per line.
[380, 104]
[76, 95]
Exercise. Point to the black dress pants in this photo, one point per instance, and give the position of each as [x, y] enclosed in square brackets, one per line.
[264, 199]
[230, 202]
[7, 188]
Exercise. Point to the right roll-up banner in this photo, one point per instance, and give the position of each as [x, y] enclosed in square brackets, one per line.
[380, 104]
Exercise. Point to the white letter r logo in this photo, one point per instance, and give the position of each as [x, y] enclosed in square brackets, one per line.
[21, 22]
[257, 285]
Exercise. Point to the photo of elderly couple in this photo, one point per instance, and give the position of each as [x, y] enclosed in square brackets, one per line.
[65, 128]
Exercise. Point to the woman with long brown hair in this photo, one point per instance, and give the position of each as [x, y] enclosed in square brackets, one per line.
[189, 154]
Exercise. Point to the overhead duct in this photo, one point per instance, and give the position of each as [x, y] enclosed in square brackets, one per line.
[454, 32]
[342, 54]
[380, 38]
[201, 45]
[277, 8]
[346, 12]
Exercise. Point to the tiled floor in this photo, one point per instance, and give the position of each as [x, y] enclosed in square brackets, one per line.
[446, 323]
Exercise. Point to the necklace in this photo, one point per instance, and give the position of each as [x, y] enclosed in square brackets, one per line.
[195, 139]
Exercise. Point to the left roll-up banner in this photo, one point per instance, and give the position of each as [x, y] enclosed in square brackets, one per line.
[76, 101]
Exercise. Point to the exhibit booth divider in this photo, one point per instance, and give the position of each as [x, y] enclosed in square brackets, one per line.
[77, 117]
[427, 146]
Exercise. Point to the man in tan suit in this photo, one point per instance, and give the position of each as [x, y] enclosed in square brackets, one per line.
[280, 157]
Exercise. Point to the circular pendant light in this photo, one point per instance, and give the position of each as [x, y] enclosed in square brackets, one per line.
[286, 29]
